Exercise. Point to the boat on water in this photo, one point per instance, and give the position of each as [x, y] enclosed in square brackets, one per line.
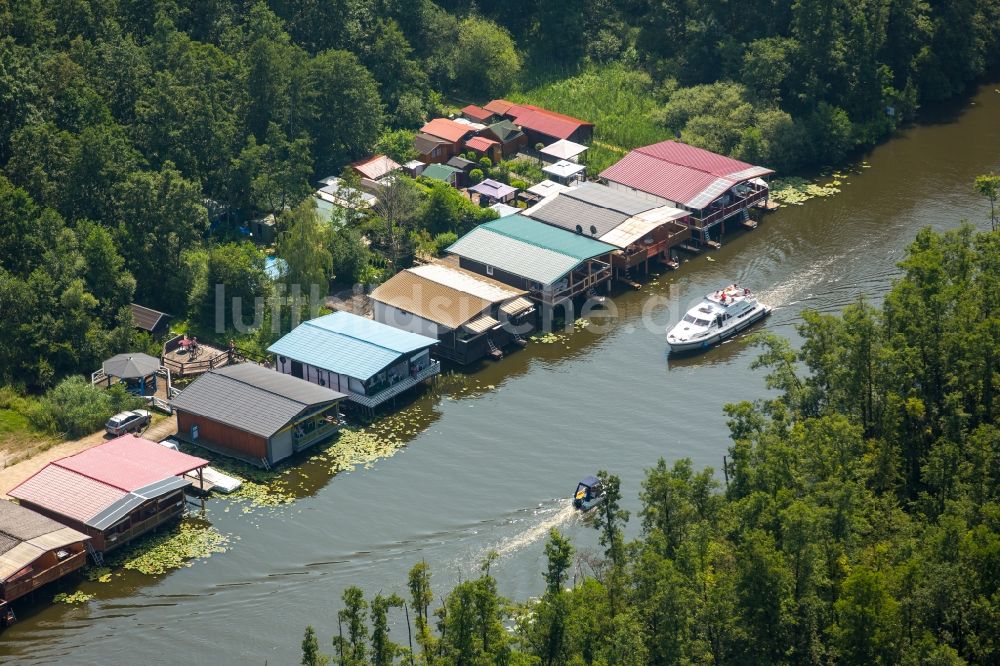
[719, 316]
[589, 493]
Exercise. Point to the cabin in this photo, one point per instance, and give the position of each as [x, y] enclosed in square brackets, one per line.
[445, 173]
[512, 140]
[256, 414]
[35, 550]
[714, 188]
[464, 166]
[367, 360]
[152, 321]
[114, 492]
[641, 229]
[374, 171]
[493, 191]
[484, 146]
[553, 265]
[477, 114]
[441, 139]
[541, 125]
[262, 229]
[471, 315]
[338, 194]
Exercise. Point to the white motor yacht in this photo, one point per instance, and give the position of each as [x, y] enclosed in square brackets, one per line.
[718, 316]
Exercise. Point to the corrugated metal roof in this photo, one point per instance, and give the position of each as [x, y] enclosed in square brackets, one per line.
[639, 226]
[145, 318]
[252, 398]
[516, 306]
[513, 256]
[481, 143]
[678, 172]
[499, 106]
[376, 166]
[467, 281]
[480, 324]
[430, 300]
[546, 122]
[446, 129]
[425, 143]
[348, 344]
[20, 524]
[544, 236]
[477, 112]
[129, 462]
[505, 130]
[440, 172]
[605, 197]
[121, 508]
[493, 188]
[568, 213]
[67, 493]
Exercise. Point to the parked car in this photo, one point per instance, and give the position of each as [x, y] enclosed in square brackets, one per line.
[119, 424]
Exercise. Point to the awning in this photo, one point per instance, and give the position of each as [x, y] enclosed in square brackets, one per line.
[480, 324]
[517, 306]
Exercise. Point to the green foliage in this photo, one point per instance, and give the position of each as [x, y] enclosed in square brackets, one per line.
[311, 656]
[236, 274]
[305, 246]
[74, 408]
[476, 175]
[486, 61]
[397, 144]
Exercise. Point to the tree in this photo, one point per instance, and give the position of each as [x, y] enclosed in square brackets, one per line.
[384, 651]
[486, 62]
[559, 554]
[989, 186]
[419, 582]
[235, 270]
[611, 518]
[305, 247]
[352, 649]
[867, 627]
[311, 656]
[397, 206]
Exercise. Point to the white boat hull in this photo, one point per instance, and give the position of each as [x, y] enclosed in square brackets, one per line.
[717, 337]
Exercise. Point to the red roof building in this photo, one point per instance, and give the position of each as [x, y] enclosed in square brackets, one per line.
[477, 114]
[713, 187]
[542, 125]
[113, 492]
[375, 167]
[499, 107]
[444, 128]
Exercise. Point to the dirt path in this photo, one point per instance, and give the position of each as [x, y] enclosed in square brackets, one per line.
[15, 474]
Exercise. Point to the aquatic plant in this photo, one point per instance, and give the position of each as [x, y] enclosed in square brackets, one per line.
[74, 598]
[172, 549]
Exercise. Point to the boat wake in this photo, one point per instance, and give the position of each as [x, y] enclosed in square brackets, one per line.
[783, 293]
[536, 527]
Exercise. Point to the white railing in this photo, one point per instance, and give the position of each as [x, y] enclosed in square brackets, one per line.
[402, 385]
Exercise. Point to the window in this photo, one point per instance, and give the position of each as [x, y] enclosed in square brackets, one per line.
[489, 270]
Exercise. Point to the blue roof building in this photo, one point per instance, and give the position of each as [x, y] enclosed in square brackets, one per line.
[369, 361]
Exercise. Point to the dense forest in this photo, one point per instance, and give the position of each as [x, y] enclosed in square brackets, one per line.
[859, 520]
[137, 138]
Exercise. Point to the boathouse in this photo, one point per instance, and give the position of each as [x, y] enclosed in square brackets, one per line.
[640, 228]
[553, 265]
[713, 188]
[471, 315]
[35, 550]
[113, 492]
[255, 414]
[369, 361]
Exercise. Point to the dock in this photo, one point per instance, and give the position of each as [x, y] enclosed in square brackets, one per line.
[628, 282]
[715, 245]
[687, 247]
[749, 224]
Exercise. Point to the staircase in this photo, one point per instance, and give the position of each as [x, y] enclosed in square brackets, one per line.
[265, 464]
[97, 557]
[494, 350]
[519, 340]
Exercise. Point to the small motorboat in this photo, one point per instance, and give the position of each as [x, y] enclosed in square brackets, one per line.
[589, 493]
[719, 316]
[596, 298]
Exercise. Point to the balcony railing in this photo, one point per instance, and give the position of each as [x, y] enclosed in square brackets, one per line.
[320, 432]
[400, 386]
[730, 210]
[578, 286]
[55, 572]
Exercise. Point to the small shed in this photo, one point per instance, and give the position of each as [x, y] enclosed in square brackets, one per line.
[477, 114]
[485, 147]
[136, 370]
[262, 229]
[565, 172]
[256, 414]
[149, 320]
[563, 149]
[414, 168]
[35, 550]
[442, 172]
[493, 191]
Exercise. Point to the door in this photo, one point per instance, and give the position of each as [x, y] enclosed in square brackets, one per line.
[297, 369]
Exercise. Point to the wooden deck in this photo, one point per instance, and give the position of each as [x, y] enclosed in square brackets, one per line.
[183, 363]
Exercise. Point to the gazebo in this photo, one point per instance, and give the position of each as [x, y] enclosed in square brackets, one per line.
[135, 369]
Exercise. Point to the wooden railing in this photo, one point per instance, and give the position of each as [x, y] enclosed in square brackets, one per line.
[588, 281]
[182, 368]
[731, 209]
[144, 526]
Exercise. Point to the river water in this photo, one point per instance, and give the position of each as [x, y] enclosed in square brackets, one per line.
[487, 470]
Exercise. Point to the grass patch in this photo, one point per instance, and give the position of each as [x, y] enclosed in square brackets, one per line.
[621, 102]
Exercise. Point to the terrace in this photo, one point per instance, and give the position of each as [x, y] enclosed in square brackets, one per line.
[377, 393]
[587, 275]
[716, 212]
